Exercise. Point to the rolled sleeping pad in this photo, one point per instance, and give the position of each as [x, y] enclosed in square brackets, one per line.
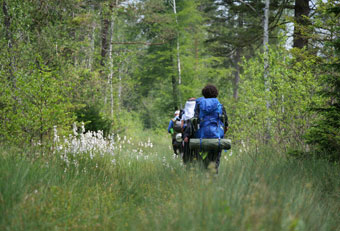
[211, 144]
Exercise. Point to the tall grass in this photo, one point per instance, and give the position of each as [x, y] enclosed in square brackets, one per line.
[152, 190]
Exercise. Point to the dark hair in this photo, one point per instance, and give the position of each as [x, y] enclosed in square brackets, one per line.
[210, 91]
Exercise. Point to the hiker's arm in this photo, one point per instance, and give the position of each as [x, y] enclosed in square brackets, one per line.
[226, 125]
[171, 124]
[187, 132]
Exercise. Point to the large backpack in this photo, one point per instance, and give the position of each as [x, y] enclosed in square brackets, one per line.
[210, 119]
[177, 126]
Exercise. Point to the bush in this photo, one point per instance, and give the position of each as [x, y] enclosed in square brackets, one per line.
[94, 121]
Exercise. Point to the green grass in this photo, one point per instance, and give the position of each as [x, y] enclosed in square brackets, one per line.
[263, 191]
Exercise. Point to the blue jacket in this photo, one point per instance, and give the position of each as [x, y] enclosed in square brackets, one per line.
[212, 126]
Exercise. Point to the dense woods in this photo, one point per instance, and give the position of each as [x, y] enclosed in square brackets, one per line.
[87, 89]
[117, 65]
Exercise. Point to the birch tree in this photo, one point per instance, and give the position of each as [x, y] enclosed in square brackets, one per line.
[178, 54]
[266, 64]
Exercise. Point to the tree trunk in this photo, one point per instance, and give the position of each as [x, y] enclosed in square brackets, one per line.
[196, 53]
[8, 36]
[106, 21]
[237, 73]
[174, 91]
[105, 44]
[110, 76]
[92, 40]
[266, 66]
[178, 55]
[237, 60]
[120, 87]
[301, 11]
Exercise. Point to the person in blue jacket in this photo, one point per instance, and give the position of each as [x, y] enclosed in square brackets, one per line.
[213, 122]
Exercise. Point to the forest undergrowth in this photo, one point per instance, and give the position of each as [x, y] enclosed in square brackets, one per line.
[139, 185]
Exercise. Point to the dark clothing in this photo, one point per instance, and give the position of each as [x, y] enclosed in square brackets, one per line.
[188, 130]
[213, 157]
[188, 154]
[177, 146]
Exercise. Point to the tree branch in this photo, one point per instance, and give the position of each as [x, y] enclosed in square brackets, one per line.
[140, 43]
[250, 6]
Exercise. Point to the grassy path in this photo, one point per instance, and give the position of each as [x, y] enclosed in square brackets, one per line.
[142, 187]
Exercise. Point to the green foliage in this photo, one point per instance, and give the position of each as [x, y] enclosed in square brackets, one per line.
[124, 59]
[36, 104]
[292, 91]
[159, 82]
[325, 133]
[93, 120]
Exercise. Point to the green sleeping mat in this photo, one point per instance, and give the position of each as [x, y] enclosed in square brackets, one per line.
[210, 144]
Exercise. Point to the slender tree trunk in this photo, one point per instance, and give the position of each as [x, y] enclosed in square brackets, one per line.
[110, 76]
[106, 49]
[8, 36]
[174, 91]
[104, 33]
[119, 87]
[237, 62]
[92, 40]
[178, 56]
[73, 36]
[301, 11]
[266, 65]
[237, 73]
[173, 78]
[196, 53]
[178, 52]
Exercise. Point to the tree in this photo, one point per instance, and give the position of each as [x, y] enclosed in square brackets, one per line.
[289, 117]
[236, 28]
[266, 64]
[325, 134]
[301, 14]
[40, 102]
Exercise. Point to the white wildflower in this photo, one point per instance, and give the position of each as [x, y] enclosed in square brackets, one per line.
[75, 129]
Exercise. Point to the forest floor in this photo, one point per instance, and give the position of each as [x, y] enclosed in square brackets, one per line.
[141, 186]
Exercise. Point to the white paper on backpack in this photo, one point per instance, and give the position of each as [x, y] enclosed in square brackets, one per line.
[189, 110]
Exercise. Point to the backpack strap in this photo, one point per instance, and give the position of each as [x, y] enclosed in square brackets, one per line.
[200, 144]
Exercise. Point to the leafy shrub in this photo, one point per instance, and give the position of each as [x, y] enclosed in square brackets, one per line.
[94, 121]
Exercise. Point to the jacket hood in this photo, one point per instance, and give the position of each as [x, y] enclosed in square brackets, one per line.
[209, 104]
